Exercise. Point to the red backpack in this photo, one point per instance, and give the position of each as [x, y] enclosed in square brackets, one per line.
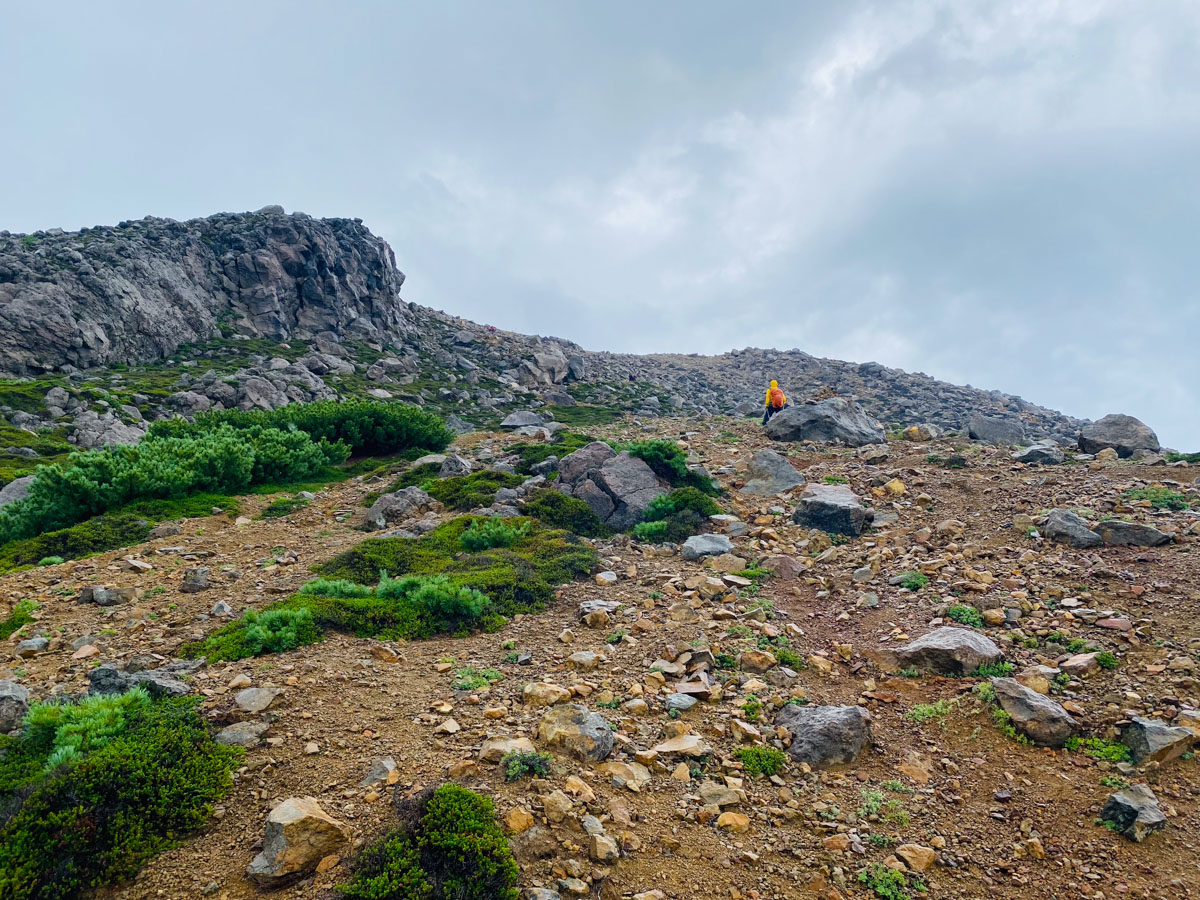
[777, 398]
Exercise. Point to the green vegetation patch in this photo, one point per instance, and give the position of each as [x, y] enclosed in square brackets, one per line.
[516, 579]
[21, 615]
[519, 765]
[965, 615]
[761, 760]
[284, 506]
[1159, 497]
[676, 516]
[487, 534]
[913, 581]
[557, 510]
[276, 629]
[890, 884]
[584, 415]
[669, 461]
[1100, 748]
[449, 848]
[466, 492]
[565, 443]
[89, 793]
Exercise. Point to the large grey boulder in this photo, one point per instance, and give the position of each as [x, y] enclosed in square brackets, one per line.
[14, 703]
[17, 489]
[830, 507]
[1064, 526]
[1134, 812]
[1116, 533]
[1122, 433]
[700, 545]
[576, 466]
[1045, 453]
[398, 506]
[824, 736]
[516, 420]
[832, 421]
[946, 650]
[1035, 716]
[91, 430]
[576, 730]
[632, 484]
[108, 679]
[770, 473]
[996, 430]
[1149, 740]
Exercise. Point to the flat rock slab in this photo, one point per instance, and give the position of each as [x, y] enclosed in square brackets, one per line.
[1150, 740]
[1065, 527]
[1116, 533]
[701, 545]
[769, 473]
[824, 736]
[833, 508]
[996, 430]
[946, 651]
[835, 420]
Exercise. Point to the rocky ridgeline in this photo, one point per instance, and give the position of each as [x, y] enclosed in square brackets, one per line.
[139, 291]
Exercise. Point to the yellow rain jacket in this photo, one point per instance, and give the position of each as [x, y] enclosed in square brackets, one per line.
[774, 386]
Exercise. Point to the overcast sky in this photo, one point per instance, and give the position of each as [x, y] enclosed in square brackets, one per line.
[1000, 194]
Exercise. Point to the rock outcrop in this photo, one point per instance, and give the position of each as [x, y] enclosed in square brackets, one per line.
[1125, 434]
[832, 421]
[137, 291]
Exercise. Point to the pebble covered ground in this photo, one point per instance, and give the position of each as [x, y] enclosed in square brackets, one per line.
[941, 793]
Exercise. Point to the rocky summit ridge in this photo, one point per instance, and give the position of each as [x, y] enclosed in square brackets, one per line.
[143, 291]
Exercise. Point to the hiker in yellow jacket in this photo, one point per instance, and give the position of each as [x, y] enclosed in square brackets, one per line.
[774, 402]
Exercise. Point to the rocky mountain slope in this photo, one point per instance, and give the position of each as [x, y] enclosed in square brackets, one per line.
[173, 298]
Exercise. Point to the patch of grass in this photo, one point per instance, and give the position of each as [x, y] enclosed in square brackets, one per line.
[914, 581]
[1100, 748]
[284, 506]
[881, 840]
[91, 792]
[752, 708]
[50, 560]
[789, 658]
[466, 492]
[909, 673]
[994, 670]
[1160, 497]
[520, 765]
[761, 761]
[924, 712]
[835, 479]
[485, 534]
[1106, 660]
[1190, 458]
[516, 579]
[557, 510]
[449, 848]
[1112, 781]
[529, 455]
[894, 813]
[965, 615]
[21, 615]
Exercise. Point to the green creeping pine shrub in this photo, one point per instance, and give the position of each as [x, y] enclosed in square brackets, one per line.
[484, 534]
[465, 492]
[1159, 497]
[93, 823]
[914, 581]
[761, 760]
[517, 579]
[73, 730]
[529, 455]
[965, 615]
[835, 479]
[685, 512]
[889, 884]
[1106, 660]
[274, 630]
[651, 532]
[450, 849]
[403, 608]
[21, 615]
[669, 461]
[284, 506]
[50, 560]
[557, 510]
[417, 475]
[518, 765]
[367, 427]
[225, 460]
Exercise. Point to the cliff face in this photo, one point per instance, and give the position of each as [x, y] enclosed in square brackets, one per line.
[137, 291]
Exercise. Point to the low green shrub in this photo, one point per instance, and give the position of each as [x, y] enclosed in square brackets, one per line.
[140, 777]
[284, 506]
[50, 560]
[1100, 748]
[890, 884]
[366, 427]
[274, 630]
[557, 510]
[684, 511]
[994, 670]
[965, 615]
[761, 760]
[518, 765]
[913, 581]
[651, 532]
[518, 579]
[484, 534]
[1106, 660]
[450, 848]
